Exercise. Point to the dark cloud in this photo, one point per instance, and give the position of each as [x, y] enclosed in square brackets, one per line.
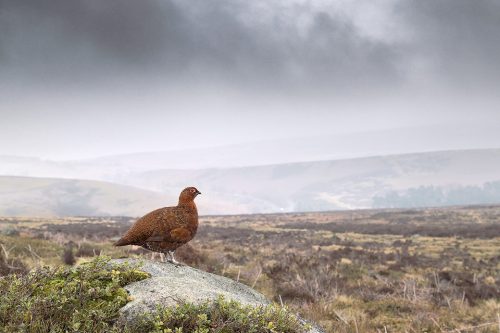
[72, 37]
[231, 42]
[458, 40]
[213, 40]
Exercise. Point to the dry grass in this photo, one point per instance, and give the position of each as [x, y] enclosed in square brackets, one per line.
[360, 271]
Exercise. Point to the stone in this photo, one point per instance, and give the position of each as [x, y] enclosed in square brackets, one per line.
[171, 284]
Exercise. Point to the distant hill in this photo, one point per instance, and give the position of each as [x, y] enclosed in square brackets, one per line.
[460, 176]
[27, 196]
[411, 180]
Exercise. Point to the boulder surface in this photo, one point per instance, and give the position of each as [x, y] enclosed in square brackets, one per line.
[170, 284]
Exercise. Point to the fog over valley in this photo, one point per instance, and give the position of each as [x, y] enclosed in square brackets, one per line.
[394, 181]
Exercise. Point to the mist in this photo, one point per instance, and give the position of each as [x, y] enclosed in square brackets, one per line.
[82, 79]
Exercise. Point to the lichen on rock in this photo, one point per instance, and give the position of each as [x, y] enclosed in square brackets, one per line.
[173, 286]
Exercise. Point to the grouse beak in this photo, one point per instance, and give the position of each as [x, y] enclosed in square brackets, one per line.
[198, 192]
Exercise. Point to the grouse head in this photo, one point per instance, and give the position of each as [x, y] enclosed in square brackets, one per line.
[188, 194]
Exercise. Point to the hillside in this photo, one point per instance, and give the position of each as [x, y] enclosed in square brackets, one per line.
[28, 196]
[453, 177]
[396, 181]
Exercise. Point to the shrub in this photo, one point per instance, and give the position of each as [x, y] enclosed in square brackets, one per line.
[10, 266]
[76, 299]
[10, 231]
[220, 316]
[68, 258]
[87, 250]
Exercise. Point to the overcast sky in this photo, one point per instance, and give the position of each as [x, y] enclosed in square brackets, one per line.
[84, 78]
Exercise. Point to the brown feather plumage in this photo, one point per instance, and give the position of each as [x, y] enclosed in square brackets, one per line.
[165, 229]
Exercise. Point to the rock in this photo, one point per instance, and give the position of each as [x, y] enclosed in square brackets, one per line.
[170, 284]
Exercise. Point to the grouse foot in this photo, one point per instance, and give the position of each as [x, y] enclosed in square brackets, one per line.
[172, 258]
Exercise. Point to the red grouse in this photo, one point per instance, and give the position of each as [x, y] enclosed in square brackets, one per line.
[165, 229]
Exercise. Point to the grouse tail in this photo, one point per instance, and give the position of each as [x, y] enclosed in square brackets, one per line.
[121, 242]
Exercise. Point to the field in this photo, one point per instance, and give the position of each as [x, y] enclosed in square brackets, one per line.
[426, 270]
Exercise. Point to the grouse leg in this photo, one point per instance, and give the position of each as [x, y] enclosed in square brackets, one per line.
[172, 258]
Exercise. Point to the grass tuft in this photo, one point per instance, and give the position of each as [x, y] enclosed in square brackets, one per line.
[221, 316]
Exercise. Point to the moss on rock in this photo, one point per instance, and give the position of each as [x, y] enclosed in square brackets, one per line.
[87, 298]
[221, 316]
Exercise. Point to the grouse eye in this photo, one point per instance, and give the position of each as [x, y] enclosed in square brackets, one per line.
[193, 190]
